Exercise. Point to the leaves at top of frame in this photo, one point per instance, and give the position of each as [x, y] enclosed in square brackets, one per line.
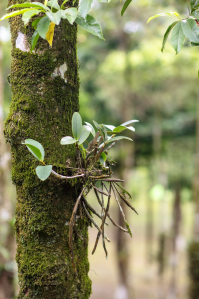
[177, 37]
[76, 125]
[90, 24]
[164, 14]
[55, 17]
[29, 14]
[85, 7]
[43, 172]
[166, 35]
[70, 14]
[194, 4]
[35, 148]
[125, 6]
[16, 13]
[28, 4]
[191, 30]
[54, 4]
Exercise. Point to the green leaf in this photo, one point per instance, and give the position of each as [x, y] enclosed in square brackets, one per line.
[92, 129]
[43, 26]
[76, 125]
[43, 172]
[91, 25]
[35, 148]
[110, 127]
[194, 4]
[117, 138]
[104, 157]
[62, 6]
[34, 40]
[70, 14]
[55, 17]
[68, 140]
[85, 7]
[177, 38]
[104, 1]
[173, 14]
[166, 35]
[37, 5]
[54, 4]
[129, 122]
[119, 129]
[35, 22]
[84, 134]
[191, 30]
[29, 14]
[16, 13]
[126, 4]
[131, 128]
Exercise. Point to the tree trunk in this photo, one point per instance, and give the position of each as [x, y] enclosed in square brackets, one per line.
[45, 87]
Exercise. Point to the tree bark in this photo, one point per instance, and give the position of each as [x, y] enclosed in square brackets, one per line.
[45, 87]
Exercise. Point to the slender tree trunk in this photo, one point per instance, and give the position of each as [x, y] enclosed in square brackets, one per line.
[45, 87]
[193, 250]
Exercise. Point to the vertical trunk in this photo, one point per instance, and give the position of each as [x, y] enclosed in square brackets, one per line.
[45, 87]
[193, 250]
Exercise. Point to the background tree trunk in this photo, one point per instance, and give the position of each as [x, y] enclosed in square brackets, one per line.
[45, 87]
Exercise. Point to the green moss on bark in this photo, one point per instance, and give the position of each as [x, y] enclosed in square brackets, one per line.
[41, 109]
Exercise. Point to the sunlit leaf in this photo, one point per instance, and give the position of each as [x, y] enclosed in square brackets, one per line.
[43, 172]
[177, 38]
[54, 4]
[129, 122]
[34, 5]
[43, 27]
[117, 138]
[110, 127]
[173, 14]
[119, 129]
[16, 13]
[68, 140]
[29, 14]
[90, 24]
[55, 17]
[50, 34]
[70, 14]
[166, 35]
[85, 7]
[35, 148]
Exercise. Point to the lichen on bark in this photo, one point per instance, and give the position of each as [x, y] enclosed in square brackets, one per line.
[42, 107]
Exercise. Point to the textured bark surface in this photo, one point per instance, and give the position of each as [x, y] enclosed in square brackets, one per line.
[43, 102]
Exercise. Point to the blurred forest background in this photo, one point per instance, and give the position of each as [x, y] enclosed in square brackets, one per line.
[127, 77]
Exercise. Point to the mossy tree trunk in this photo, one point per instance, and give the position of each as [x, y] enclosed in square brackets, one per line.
[45, 87]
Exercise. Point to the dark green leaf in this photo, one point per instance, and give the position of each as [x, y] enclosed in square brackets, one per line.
[84, 134]
[29, 14]
[177, 37]
[35, 22]
[166, 35]
[91, 25]
[68, 140]
[191, 30]
[35, 148]
[43, 26]
[55, 17]
[34, 40]
[43, 172]
[126, 4]
[85, 7]
[194, 45]
[76, 125]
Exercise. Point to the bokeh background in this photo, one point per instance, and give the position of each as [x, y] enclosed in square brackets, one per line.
[127, 77]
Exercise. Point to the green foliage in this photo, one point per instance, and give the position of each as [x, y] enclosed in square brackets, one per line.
[43, 172]
[185, 27]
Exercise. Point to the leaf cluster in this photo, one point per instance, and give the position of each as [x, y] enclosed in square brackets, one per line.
[185, 27]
